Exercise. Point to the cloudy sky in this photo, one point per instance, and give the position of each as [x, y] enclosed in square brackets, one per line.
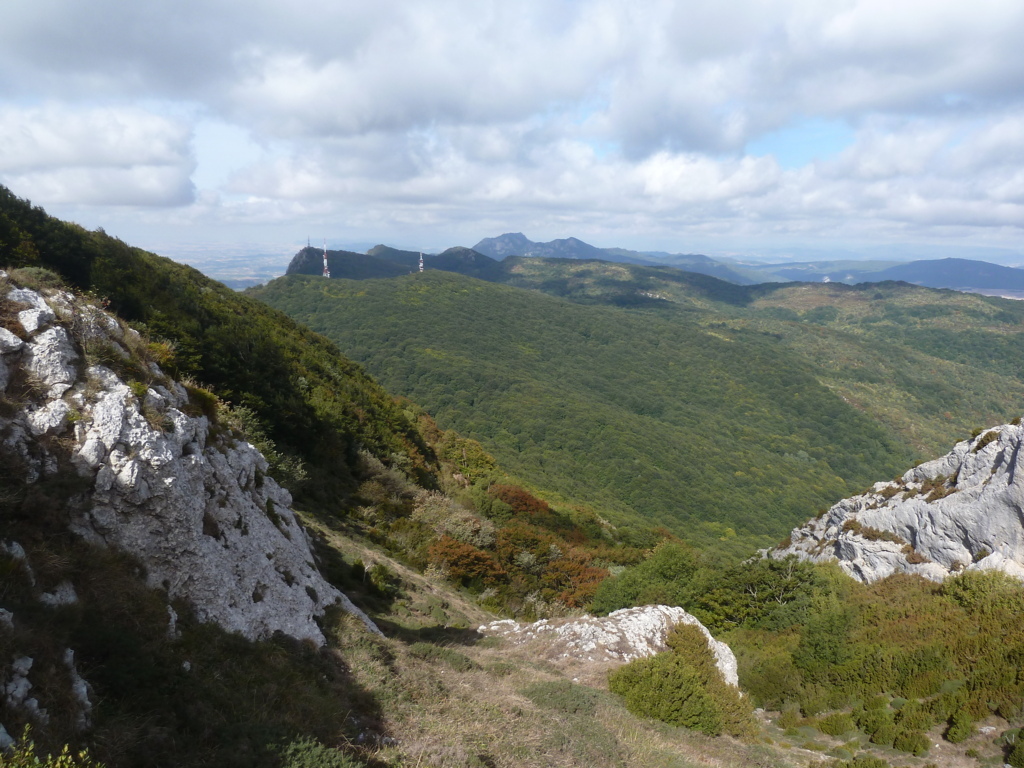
[722, 126]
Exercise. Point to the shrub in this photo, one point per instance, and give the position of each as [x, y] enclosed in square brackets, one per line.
[464, 562]
[961, 727]
[684, 687]
[1016, 756]
[884, 735]
[790, 715]
[871, 534]
[914, 742]
[23, 755]
[38, 278]
[836, 724]
[663, 688]
[914, 717]
[987, 438]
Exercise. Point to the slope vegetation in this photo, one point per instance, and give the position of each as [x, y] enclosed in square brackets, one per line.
[714, 432]
[316, 405]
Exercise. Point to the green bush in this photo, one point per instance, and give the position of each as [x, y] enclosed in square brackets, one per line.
[663, 688]
[790, 715]
[1016, 756]
[836, 724]
[684, 687]
[914, 717]
[23, 755]
[914, 742]
[885, 735]
[961, 727]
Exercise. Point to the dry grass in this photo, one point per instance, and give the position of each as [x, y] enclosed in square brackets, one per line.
[442, 712]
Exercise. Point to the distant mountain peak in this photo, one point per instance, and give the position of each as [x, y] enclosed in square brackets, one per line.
[509, 244]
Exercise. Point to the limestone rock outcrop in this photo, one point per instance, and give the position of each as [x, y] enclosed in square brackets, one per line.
[188, 497]
[962, 511]
[621, 636]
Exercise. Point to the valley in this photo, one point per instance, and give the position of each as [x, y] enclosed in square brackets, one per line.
[557, 442]
[764, 402]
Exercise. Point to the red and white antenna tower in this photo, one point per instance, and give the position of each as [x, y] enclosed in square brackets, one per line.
[327, 272]
[421, 262]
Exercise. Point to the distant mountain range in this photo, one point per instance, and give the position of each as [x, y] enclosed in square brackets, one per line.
[487, 260]
[517, 244]
[931, 273]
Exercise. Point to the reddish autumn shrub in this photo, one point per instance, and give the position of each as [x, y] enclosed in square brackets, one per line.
[574, 577]
[464, 562]
[521, 500]
[518, 538]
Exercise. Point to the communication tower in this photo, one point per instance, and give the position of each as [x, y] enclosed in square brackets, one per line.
[327, 272]
[421, 262]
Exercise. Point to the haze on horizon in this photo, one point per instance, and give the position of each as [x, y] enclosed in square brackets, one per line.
[846, 127]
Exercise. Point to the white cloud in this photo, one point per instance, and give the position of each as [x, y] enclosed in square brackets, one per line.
[597, 114]
[122, 156]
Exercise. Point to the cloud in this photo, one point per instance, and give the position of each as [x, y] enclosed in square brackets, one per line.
[567, 113]
[100, 156]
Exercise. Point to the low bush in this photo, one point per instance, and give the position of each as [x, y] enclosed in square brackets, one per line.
[310, 753]
[836, 724]
[684, 687]
[914, 742]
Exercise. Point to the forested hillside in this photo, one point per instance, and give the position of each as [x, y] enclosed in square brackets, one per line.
[712, 432]
[764, 402]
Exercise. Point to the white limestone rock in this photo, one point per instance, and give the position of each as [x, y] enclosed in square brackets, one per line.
[962, 511]
[199, 512]
[16, 690]
[621, 636]
[9, 342]
[52, 417]
[64, 594]
[80, 691]
[49, 358]
[38, 313]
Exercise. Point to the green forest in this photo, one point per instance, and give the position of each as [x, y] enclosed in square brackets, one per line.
[723, 418]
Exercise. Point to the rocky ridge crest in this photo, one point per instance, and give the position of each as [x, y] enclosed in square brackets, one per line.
[960, 512]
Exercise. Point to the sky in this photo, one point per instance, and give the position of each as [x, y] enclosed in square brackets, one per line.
[762, 128]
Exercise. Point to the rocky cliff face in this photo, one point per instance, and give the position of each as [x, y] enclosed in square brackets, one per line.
[962, 511]
[173, 486]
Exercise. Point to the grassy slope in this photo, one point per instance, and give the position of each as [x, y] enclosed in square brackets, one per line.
[696, 428]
